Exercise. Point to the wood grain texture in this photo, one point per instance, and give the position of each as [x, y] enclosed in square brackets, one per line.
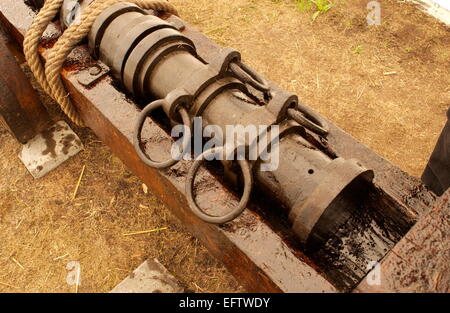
[420, 261]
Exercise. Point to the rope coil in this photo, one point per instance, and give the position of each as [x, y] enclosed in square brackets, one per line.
[49, 76]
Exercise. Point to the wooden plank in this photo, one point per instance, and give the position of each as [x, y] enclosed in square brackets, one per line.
[420, 261]
[20, 109]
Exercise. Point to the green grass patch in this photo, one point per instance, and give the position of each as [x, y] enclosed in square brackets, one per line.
[317, 6]
[357, 49]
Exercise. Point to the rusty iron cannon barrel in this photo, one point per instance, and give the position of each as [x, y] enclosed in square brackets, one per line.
[154, 60]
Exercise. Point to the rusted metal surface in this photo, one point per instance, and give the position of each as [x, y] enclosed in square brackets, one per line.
[258, 248]
[251, 77]
[309, 119]
[420, 262]
[138, 130]
[91, 75]
[164, 64]
[20, 108]
[238, 209]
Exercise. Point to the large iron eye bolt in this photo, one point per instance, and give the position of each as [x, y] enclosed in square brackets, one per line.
[138, 130]
[249, 76]
[309, 119]
[248, 183]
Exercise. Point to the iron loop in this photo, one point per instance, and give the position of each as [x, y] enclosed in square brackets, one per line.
[138, 130]
[248, 184]
[249, 76]
[309, 119]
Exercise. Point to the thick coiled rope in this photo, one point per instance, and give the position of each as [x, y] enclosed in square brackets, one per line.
[49, 75]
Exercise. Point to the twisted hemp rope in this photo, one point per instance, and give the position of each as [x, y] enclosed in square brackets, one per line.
[49, 75]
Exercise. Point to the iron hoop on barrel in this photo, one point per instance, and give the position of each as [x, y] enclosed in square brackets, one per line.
[138, 133]
[249, 76]
[248, 184]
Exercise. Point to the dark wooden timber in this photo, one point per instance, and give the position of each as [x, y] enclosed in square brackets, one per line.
[420, 262]
[21, 112]
[257, 248]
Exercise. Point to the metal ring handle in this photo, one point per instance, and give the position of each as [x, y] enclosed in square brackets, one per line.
[138, 129]
[248, 183]
[249, 76]
[309, 119]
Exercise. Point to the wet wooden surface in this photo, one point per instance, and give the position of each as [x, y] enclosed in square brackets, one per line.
[257, 248]
[420, 262]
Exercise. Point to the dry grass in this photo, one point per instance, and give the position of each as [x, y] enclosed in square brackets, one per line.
[398, 115]
[42, 229]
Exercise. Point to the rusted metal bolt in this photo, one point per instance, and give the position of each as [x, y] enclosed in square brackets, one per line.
[95, 70]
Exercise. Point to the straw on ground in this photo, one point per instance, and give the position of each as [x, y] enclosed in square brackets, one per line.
[8, 285]
[78, 183]
[145, 231]
[17, 262]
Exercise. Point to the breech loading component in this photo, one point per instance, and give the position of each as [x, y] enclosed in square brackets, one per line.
[155, 61]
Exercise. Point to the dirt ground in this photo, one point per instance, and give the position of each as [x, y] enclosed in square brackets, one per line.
[386, 85]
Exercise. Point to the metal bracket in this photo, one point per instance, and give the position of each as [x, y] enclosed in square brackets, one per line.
[92, 74]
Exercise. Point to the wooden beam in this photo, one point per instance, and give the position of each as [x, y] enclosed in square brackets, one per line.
[21, 112]
[420, 261]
